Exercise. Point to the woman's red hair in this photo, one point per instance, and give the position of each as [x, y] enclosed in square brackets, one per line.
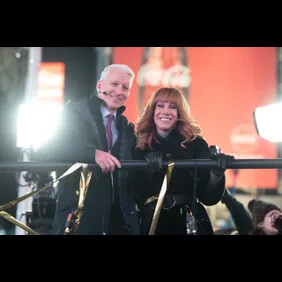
[186, 125]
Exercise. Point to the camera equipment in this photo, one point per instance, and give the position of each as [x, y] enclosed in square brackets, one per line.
[40, 218]
[278, 224]
[191, 225]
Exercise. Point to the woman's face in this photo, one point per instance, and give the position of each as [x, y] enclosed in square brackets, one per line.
[268, 225]
[165, 116]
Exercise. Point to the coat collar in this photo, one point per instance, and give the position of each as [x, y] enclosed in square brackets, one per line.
[98, 102]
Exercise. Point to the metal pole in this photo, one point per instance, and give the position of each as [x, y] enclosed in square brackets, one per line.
[131, 164]
[34, 60]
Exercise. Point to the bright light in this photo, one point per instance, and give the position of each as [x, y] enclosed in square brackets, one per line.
[37, 123]
[267, 120]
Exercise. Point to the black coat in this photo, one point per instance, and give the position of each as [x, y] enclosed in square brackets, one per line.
[240, 215]
[83, 131]
[148, 184]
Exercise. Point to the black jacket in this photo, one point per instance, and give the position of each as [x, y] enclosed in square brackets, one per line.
[240, 215]
[80, 133]
[148, 184]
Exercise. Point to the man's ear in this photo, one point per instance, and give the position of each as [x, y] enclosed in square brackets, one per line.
[99, 86]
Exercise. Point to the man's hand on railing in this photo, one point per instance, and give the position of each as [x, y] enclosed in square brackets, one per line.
[106, 161]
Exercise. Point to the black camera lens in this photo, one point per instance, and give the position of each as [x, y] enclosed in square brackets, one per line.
[278, 223]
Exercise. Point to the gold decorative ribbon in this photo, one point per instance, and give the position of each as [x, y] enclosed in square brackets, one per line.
[17, 222]
[83, 188]
[160, 198]
[10, 204]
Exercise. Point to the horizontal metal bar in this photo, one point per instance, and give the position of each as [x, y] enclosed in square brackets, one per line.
[126, 164]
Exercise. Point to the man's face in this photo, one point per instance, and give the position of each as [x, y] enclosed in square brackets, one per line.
[117, 85]
[268, 224]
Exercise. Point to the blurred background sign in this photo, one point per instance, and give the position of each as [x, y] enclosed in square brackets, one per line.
[51, 82]
[223, 86]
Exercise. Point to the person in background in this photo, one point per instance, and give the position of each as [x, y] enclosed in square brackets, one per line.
[240, 215]
[266, 218]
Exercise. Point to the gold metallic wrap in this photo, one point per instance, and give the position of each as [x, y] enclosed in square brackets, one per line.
[18, 223]
[13, 203]
[10, 204]
[83, 188]
[160, 198]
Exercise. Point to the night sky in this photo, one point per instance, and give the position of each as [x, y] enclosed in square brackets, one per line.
[80, 69]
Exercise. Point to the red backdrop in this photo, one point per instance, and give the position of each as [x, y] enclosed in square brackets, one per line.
[227, 84]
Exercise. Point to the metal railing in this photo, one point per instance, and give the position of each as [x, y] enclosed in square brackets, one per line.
[126, 164]
[133, 164]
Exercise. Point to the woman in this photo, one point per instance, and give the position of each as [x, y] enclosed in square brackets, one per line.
[167, 129]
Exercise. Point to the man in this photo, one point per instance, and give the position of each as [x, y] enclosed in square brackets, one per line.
[109, 206]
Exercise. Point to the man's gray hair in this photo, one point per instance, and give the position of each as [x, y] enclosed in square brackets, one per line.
[123, 67]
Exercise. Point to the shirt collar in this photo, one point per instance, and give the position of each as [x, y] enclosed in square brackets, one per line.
[105, 111]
